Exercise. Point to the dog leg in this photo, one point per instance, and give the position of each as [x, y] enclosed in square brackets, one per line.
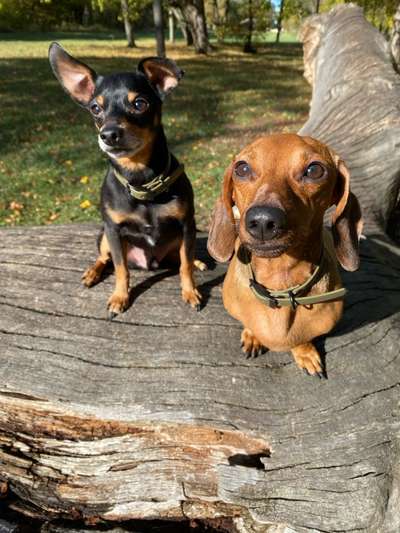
[190, 294]
[307, 358]
[93, 274]
[251, 346]
[119, 300]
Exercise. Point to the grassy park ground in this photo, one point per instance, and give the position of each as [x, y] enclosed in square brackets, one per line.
[50, 165]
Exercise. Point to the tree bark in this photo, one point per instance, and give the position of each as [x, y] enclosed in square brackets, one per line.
[279, 22]
[194, 15]
[171, 27]
[355, 103]
[395, 39]
[248, 45]
[159, 27]
[127, 24]
[177, 12]
[157, 415]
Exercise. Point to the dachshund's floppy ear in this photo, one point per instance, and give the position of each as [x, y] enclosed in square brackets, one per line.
[346, 220]
[77, 79]
[222, 234]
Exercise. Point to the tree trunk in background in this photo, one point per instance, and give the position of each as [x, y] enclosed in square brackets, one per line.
[171, 26]
[395, 40]
[86, 15]
[248, 47]
[193, 14]
[317, 5]
[279, 23]
[127, 24]
[159, 27]
[183, 25]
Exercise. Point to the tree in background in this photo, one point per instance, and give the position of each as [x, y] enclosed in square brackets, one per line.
[217, 12]
[193, 13]
[279, 22]
[127, 23]
[159, 27]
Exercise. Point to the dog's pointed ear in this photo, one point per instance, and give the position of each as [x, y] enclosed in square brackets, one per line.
[222, 234]
[77, 79]
[346, 219]
[163, 74]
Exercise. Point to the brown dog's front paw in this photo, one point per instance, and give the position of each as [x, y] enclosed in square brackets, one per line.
[117, 303]
[251, 346]
[192, 297]
[308, 359]
[90, 277]
[200, 265]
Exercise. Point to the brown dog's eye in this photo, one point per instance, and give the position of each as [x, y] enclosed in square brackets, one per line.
[140, 105]
[315, 171]
[95, 109]
[242, 169]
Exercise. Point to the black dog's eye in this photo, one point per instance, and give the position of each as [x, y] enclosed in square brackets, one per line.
[314, 171]
[140, 105]
[242, 169]
[95, 109]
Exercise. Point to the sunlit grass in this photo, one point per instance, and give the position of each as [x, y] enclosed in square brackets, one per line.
[50, 165]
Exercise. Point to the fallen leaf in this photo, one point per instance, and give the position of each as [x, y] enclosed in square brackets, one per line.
[85, 204]
[16, 206]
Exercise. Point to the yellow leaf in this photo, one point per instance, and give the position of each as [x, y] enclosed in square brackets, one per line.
[85, 204]
[84, 179]
[16, 206]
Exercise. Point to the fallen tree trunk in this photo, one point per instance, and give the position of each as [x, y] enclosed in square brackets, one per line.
[355, 108]
[157, 414]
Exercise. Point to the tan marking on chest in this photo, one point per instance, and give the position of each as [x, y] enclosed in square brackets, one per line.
[174, 209]
[120, 217]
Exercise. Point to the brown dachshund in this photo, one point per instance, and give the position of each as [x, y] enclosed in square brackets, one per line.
[283, 282]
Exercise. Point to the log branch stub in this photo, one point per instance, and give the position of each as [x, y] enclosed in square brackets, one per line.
[355, 107]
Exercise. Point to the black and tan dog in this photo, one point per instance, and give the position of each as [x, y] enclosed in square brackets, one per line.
[283, 282]
[146, 198]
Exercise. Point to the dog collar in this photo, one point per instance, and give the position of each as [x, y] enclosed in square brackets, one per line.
[291, 297]
[150, 189]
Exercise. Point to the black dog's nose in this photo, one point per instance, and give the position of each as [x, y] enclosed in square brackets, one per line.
[265, 223]
[111, 135]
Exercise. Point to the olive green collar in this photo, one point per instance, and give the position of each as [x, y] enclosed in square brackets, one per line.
[150, 189]
[291, 297]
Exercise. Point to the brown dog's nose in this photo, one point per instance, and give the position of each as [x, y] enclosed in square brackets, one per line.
[265, 223]
[111, 135]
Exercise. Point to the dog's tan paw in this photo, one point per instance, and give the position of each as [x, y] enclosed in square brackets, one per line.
[90, 277]
[117, 303]
[192, 297]
[200, 265]
[251, 346]
[307, 358]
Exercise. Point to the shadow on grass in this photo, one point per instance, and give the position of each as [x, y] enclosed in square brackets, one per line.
[35, 107]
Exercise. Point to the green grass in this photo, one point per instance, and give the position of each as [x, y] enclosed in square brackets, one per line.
[50, 166]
